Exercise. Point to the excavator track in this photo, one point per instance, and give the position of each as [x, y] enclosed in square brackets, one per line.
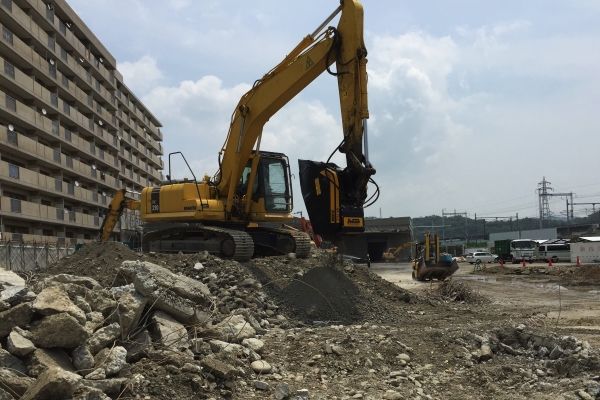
[193, 237]
[279, 241]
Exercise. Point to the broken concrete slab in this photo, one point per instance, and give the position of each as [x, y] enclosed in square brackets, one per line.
[9, 361]
[218, 346]
[53, 300]
[54, 383]
[101, 301]
[14, 382]
[131, 306]
[58, 330]
[85, 281]
[9, 278]
[18, 345]
[103, 337]
[13, 295]
[19, 315]
[43, 359]
[169, 332]
[178, 295]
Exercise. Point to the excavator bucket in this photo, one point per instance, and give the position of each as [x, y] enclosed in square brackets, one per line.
[424, 271]
[330, 210]
[429, 263]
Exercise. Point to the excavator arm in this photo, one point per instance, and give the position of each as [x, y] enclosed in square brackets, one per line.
[119, 202]
[314, 55]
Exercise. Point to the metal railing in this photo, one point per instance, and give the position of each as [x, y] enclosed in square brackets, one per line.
[24, 257]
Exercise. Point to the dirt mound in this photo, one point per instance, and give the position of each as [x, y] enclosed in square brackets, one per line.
[322, 294]
[100, 261]
[323, 288]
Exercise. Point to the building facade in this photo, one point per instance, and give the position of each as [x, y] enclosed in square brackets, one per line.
[71, 132]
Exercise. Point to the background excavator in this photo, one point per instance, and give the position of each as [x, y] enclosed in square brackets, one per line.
[240, 211]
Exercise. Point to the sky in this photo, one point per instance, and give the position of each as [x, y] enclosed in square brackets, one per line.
[471, 102]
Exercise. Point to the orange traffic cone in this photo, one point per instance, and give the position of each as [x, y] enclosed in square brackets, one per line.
[549, 262]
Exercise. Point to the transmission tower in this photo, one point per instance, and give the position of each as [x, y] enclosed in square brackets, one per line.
[544, 190]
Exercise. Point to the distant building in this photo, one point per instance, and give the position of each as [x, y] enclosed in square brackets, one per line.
[71, 132]
[587, 249]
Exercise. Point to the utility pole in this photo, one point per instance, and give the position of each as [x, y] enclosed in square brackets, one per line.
[544, 192]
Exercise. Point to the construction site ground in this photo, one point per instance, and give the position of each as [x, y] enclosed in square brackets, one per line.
[332, 330]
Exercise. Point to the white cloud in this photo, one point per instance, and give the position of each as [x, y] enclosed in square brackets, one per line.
[141, 75]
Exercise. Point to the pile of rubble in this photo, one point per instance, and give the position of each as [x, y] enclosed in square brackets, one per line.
[67, 336]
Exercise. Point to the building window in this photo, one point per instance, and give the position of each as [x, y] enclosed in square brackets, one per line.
[70, 186]
[66, 108]
[52, 69]
[54, 99]
[98, 85]
[65, 81]
[13, 138]
[68, 136]
[55, 127]
[50, 12]
[60, 214]
[9, 69]
[101, 153]
[7, 4]
[13, 171]
[72, 216]
[88, 76]
[90, 100]
[62, 27]
[11, 103]
[51, 42]
[57, 185]
[69, 163]
[7, 36]
[95, 196]
[15, 205]
[63, 53]
[93, 148]
[56, 155]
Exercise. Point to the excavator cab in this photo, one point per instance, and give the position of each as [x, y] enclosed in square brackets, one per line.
[271, 190]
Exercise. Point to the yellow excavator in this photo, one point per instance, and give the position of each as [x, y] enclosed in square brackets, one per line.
[430, 263]
[239, 212]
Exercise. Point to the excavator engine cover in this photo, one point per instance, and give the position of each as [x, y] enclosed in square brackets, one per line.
[329, 208]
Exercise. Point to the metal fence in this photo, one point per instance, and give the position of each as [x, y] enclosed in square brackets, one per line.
[23, 257]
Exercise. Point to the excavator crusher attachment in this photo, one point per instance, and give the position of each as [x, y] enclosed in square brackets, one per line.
[427, 271]
[429, 263]
[328, 198]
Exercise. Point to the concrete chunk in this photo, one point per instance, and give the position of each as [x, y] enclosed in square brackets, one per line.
[218, 368]
[14, 382]
[9, 361]
[19, 315]
[103, 337]
[131, 307]
[234, 329]
[177, 295]
[58, 330]
[169, 332]
[43, 359]
[18, 345]
[53, 300]
[53, 384]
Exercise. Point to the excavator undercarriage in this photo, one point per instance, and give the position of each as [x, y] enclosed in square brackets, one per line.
[237, 244]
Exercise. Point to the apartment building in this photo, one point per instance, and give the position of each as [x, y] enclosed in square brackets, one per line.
[71, 132]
